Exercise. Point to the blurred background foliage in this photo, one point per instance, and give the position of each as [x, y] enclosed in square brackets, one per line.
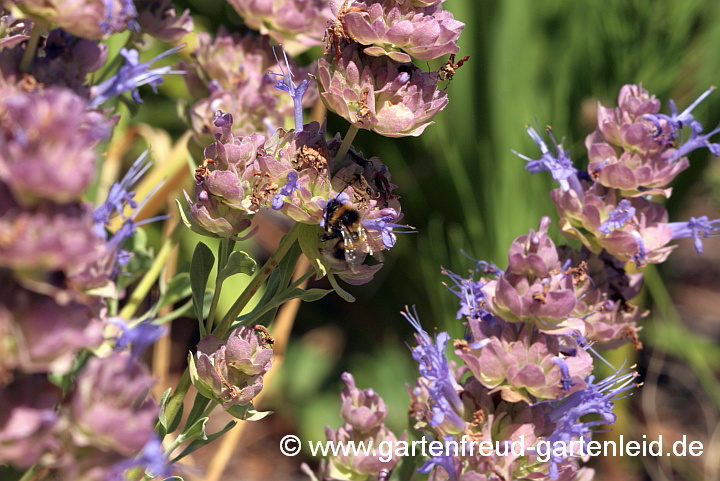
[540, 63]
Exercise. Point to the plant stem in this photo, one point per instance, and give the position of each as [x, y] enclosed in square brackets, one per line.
[346, 143]
[223, 254]
[30, 473]
[258, 281]
[150, 277]
[29, 55]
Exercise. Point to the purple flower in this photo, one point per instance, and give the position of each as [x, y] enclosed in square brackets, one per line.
[138, 337]
[619, 216]
[285, 191]
[559, 165]
[296, 91]
[444, 460]
[387, 228]
[124, 16]
[567, 382]
[598, 398]
[118, 199]
[152, 458]
[110, 408]
[472, 297]
[696, 228]
[675, 122]
[434, 367]
[133, 75]
[698, 141]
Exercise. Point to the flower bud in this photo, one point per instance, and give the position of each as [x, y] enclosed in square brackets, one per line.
[295, 24]
[231, 372]
[92, 19]
[363, 410]
[47, 144]
[109, 408]
[379, 94]
[534, 289]
[159, 19]
[401, 31]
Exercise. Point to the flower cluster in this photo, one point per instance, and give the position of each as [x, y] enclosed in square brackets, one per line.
[534, 325]
[60, 254]
[633, 156]
[366, 75]
[535, 328]
[364, 413]
[238, 74]
[297, 173]
[231, 371]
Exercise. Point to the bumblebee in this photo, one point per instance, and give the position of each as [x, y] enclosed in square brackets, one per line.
[342, 221]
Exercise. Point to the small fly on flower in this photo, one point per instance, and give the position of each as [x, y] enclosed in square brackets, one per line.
[448, 71]
[343, 222]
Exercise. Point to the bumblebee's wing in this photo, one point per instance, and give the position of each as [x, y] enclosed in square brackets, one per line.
[353, 246]
[374, 245]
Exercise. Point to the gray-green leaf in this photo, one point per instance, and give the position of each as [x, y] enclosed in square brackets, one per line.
[196, 431]
[163, 405]
[197, 444]
[177, 289]
[247, 412]
[202, 263]
[238, 263]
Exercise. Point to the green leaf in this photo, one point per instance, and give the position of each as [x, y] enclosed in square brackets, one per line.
[340, 291]
[307, 295]
[196, 431]
[238, 263]
[163, 405]
[201, 402]
[202, 263]
[197, 444]
[178, 288]
[247, 413]
[309, 240]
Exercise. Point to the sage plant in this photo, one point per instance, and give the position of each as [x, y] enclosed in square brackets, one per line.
[76, 395]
